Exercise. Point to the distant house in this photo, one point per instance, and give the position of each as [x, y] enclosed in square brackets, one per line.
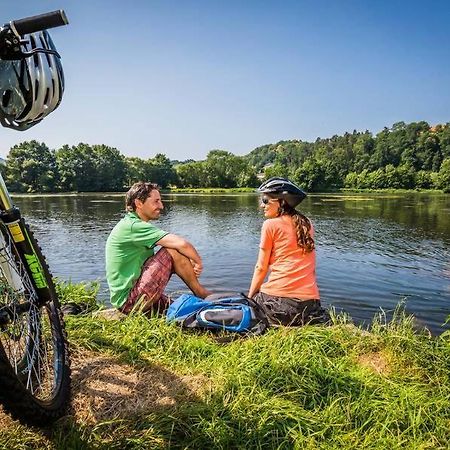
[435, 128]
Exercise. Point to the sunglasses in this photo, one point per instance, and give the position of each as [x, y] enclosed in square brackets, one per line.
[266, 200]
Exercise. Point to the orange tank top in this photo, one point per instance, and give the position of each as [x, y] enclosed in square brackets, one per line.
[292, 271]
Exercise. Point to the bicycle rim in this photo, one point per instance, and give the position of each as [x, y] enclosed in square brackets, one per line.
[32, 341]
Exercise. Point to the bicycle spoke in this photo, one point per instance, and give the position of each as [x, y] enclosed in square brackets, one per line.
[26, 338]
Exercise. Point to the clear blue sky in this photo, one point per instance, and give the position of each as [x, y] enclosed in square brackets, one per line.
[185, 77]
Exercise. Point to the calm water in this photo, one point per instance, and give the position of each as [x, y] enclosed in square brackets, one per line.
[372, 250]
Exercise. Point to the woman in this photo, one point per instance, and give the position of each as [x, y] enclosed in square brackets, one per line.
[291, 295]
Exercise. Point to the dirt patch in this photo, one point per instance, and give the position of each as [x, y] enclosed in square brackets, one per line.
[376, 362]
[103, 388]
[5, 420]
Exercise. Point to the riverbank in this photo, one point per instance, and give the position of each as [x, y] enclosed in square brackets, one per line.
[140, 383]
[232, 190]
[334, 191]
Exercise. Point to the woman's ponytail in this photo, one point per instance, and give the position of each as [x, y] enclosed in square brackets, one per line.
[302, 226]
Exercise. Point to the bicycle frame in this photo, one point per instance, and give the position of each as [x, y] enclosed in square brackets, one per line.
[11, 217]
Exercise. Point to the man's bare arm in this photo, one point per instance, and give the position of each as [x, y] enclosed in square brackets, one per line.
[185, 248]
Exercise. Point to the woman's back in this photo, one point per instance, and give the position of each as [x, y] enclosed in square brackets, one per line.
[293, 271]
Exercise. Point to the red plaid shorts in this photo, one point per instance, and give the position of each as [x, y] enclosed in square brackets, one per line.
[148, 291]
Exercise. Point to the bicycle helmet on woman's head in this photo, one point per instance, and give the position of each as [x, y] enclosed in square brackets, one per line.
[31, 87]
[283, 188]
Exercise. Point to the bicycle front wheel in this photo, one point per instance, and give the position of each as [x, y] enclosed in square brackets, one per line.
[34, 360]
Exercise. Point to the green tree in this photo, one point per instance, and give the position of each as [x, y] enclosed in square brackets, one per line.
[77, 168]
[382, 152]
[376, 179]
[276, 170]
[86, 168]
[247, 177]
[444, 176]
[419, 146]
[191, 175]
[261, 156]
[423, 179]
[110, 169]
[399, 177]
[428, 154]
[160, 170]
[351, 180]
[31, 167]
[363, 179]
[222, 169]
[443, 134]
[135, 170]
[362, 151]
[67, 164]
[406, 176]
[311, 175]
[3, 168]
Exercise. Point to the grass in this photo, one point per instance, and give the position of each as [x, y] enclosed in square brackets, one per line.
[393, 190]
[140, 383]
[326, 191]
[211, 190]
[79, 293]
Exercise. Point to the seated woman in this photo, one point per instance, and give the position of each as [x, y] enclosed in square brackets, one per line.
[291, 295]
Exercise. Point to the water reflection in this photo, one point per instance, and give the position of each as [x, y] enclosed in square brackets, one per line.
[373, 250]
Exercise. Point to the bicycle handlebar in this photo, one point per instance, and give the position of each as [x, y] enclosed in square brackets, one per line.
[40, 22]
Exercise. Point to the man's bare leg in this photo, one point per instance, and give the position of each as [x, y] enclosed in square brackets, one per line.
[183, 268]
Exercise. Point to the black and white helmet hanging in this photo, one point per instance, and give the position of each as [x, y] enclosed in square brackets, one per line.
[31, 87]
[277, 187]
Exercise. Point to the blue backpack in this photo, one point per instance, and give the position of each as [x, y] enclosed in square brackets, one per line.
[236, 313]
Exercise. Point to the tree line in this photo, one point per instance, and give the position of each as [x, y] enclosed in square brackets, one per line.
[410, 156]
[405, 156]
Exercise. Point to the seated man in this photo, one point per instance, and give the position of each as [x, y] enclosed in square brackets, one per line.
[136, 275]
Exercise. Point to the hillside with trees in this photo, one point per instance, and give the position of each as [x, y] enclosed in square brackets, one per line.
[405, 156]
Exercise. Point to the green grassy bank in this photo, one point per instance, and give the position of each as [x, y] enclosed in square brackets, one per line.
[142, 384]
[330, 191]
[209, 190]
[205, 190]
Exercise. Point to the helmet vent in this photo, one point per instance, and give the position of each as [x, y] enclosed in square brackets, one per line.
[33, 46]
[36, 60]
[44, 44]
[32, 41]
[49, 61]
[46, 96]
[6, 97]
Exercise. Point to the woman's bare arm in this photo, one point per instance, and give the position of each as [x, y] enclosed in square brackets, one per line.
[260, 272]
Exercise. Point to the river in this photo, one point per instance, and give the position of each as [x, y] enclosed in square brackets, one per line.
[373, 250]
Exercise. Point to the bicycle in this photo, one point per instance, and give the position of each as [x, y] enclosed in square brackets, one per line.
[34, 355]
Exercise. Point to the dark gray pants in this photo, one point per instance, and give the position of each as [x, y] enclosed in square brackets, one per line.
[291, 312]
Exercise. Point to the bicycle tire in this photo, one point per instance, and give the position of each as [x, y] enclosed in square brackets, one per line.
[34, 354]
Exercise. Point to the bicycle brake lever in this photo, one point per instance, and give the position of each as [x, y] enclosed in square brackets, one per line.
[10, 46]
[12, 54]
[39, 50]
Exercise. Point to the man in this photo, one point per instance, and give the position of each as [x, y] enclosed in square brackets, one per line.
[136, 275]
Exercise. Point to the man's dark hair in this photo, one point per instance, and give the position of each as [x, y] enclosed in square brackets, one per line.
[140, 190]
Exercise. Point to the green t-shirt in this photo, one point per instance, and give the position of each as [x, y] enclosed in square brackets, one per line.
[130, 243]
